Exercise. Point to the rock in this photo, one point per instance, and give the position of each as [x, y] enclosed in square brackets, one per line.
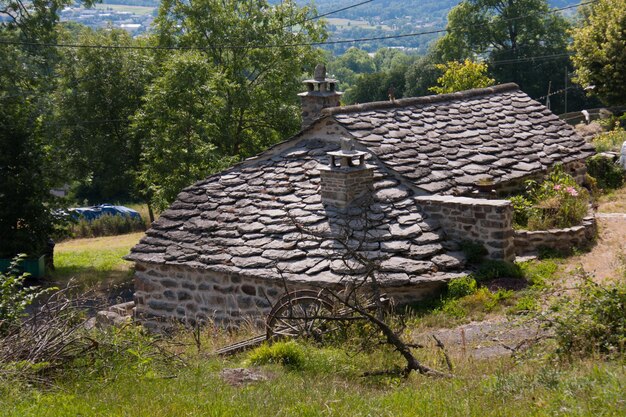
[110, 318]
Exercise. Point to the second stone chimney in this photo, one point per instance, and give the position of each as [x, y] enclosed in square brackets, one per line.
[321, 93]
[347, 177]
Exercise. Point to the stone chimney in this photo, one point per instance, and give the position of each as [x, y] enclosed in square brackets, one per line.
[347, 177]
[321, 93]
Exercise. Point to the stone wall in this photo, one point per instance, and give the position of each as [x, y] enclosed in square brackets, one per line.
[488, 222]
[563, 240]
[189, 295]
[165, 294]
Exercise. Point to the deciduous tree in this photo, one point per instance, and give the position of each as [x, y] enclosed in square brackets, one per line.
[524, 42]
[599, 46]
[459, 76]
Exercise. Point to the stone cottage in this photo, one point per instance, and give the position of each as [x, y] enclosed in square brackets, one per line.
[400, 182]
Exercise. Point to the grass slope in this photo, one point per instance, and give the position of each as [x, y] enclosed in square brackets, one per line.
[94, 261]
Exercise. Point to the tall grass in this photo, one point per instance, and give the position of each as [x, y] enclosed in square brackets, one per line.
[106, 225]
[330, 383]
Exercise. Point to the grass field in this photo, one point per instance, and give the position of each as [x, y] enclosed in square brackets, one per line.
[95, 261]
[329, 383]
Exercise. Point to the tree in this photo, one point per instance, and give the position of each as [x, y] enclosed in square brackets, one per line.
[257, 52]
[420, 76]
[177, 123]
[230, 97]
[598, 47]
[25, 219]
[459, 76]
[378, 86]
[523, 41]
[352, 63]
[26, 160]
[98, 92]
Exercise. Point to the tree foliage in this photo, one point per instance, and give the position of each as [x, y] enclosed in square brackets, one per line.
[98, 92]
[177, 124]
[516, 35]
[25, 159]
[598, 47]
[233, 96]
[420, 76]
[459, 76]
[256, 84]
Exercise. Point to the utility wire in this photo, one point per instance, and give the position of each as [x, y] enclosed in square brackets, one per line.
[227, 46]
[334, 11]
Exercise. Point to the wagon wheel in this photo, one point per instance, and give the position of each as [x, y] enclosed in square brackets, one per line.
[301, 313]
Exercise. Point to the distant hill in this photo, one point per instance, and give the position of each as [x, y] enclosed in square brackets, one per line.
[375, 19]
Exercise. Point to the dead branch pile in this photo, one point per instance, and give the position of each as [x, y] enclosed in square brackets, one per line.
[53, 335]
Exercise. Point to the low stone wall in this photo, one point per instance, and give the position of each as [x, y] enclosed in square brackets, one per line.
[488, 222]
[563, 240]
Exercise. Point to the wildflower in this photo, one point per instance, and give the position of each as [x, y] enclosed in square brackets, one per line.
[572, 191]
[557, 187]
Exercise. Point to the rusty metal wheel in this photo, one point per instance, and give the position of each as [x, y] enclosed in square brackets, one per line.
[301, 313]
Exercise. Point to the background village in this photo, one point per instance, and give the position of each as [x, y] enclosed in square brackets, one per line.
[344, 208]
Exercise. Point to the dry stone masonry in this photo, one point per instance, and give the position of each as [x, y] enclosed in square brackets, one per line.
[488, 222]
[563, 240]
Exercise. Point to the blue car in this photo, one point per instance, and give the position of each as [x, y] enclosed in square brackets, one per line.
[94, 212]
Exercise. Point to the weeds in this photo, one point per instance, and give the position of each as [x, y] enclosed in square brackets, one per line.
[289, 354]
[594, 322]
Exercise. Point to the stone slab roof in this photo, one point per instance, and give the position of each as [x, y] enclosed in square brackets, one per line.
[266, 215]
[447, 143]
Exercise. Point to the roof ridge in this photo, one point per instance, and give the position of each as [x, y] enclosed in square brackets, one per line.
[404, 102]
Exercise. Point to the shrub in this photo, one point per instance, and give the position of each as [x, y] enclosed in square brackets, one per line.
[558, 201]
[492, 269]
[460, 287]
[595, 322]
[288, 354]
[474, 252]
[14, 296]
[523, 209]
[607, 173]
[610, 141]
[106, 225]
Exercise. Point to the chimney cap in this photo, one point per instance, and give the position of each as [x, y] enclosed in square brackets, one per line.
[320, 72]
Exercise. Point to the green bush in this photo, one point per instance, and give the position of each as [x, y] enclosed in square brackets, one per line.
[595, 323]
[288, 354]
[474, 252]
[106, 225]
[523, 209]
[607, 173]
[557, 202]
[492, 269]
[460, 287]
[14, 296]
[610, 141]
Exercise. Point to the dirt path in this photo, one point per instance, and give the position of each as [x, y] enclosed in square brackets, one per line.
[607, 258]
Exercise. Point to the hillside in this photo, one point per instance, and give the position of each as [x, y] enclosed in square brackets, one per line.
[376, 19]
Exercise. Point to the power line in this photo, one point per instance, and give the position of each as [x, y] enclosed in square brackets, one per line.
[336, 11]
[530, 58]
[227, 46]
